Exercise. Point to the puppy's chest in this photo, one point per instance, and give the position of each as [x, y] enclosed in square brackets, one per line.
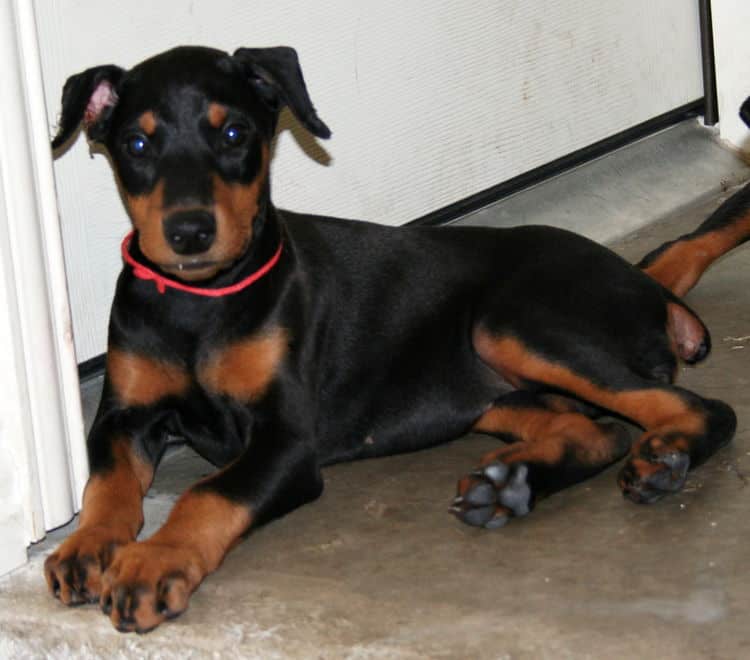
[241, 369]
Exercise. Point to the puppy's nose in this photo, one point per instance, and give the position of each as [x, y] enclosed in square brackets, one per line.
[190, 232]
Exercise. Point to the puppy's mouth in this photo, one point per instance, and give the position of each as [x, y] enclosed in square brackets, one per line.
[203, 266]
[192, 265]
[195, 269]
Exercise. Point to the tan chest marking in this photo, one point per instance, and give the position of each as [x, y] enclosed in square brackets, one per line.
[139, 380]
[245, 369]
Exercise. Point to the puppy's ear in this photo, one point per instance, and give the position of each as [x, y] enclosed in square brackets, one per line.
[745, 111]
[276, 76]
[88, 97]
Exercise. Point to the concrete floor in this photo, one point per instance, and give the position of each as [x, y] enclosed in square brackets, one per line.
[377, 568]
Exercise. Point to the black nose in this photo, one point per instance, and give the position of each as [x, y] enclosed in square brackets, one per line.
[190, 232]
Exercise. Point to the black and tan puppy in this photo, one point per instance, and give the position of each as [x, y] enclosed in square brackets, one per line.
[276, 343]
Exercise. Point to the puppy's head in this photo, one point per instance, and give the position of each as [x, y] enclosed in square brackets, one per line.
[188, 132]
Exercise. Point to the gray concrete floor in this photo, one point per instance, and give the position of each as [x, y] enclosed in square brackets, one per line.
[377, 568]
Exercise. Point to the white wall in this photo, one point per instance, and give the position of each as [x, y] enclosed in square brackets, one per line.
[429, 100]
[731, 21]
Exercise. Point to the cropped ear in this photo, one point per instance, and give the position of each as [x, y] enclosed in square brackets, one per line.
[276, 76]
[88, 97]
[745, 111]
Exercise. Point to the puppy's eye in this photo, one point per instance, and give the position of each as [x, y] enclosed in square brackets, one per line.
[234, 135]
[137, 144]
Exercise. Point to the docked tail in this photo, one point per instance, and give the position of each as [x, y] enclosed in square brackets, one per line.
[679, 264]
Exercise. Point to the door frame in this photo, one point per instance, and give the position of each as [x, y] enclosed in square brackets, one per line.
[42, 423]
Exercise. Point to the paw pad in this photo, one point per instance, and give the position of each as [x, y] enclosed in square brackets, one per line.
[493, 494]
[647, 480]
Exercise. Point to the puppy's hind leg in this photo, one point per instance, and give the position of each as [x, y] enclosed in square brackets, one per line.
[551, 450]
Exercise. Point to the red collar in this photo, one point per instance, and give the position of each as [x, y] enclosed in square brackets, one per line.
[144, 273]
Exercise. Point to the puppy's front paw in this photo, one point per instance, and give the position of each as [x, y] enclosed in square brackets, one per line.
[74, 571]
[148, 583]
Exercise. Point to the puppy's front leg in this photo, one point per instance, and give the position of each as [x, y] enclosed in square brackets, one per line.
[112, 515]
[151, 581]
[125, 443]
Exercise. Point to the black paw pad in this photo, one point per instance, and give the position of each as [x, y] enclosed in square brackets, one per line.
[673, 478]
[477, 517]
[516, 495]
[669, 477]
[496, 493]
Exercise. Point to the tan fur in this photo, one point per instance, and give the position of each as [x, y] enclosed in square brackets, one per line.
[217, 115]
[147, 122]
[651, 408]
[138, 380]
[245, 369]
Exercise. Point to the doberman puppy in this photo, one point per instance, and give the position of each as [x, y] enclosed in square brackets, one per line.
[275, 343]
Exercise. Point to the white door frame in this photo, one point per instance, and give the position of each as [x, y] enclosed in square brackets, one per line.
[42, 447]
[732, 53]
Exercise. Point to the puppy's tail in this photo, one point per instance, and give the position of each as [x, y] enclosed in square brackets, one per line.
[679, 264]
